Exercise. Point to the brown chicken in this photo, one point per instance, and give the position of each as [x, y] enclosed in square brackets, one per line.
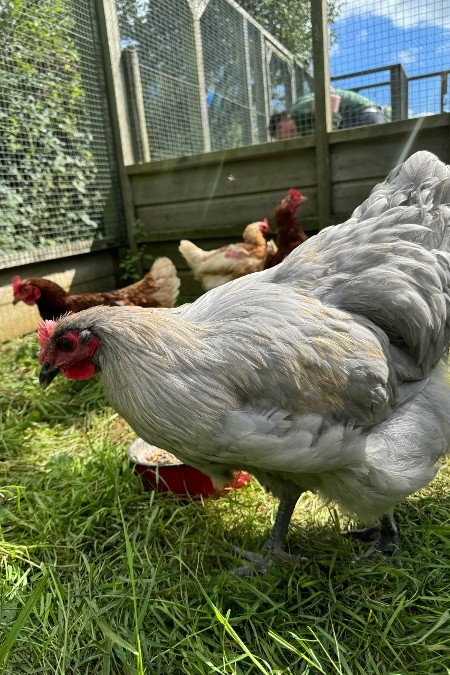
[217, 267]
[289, 233]
[159, 288]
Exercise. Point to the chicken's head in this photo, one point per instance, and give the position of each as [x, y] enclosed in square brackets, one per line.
[252, 233]
[69, 352]
[293, 200]
[25, 291]
[264, 226]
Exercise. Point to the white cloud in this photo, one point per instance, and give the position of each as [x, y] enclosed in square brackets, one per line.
[403, 13]
[408, 56]
[362, 35]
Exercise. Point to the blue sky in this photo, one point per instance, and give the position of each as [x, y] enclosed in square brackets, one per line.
[374, 34]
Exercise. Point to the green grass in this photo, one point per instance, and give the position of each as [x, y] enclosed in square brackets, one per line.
[99, 576]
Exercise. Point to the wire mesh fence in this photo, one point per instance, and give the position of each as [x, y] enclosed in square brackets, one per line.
[214, 72]
[397, 55]
[211, 74]
[58, 184]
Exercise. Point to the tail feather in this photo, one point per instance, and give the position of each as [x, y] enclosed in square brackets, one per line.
[164, 275]
[191, 253]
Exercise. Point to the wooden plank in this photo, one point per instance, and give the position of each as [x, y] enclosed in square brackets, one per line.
[399, 93]
[279, 172]
[248, 75]
[282, 148]
[222, 156]
[376, 131]
[108, 26]
[86, 268]
[117, 91]
[347, 196]
[232, 232]
[22, 258]
[135, 101]
[375, 157]
[220, 212]
[201, 83]
[323, 124]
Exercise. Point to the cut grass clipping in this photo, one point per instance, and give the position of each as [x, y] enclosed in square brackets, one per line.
[99, 576]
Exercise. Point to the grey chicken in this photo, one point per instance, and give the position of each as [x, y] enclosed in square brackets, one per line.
[321, 373]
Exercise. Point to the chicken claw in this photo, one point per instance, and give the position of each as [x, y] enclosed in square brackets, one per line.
[385, 537]
[261, 562]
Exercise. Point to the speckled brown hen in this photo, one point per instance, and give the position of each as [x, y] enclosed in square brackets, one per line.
[159, 288]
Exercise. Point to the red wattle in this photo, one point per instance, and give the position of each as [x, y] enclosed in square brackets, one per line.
[82, 371]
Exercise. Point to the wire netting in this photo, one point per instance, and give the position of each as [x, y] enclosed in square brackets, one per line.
[397, 55]
[214, 72]
[58, 185]
[227, 91]
[162, 31]
[210, 74]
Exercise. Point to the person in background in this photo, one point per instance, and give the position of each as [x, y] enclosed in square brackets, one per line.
[349, 109]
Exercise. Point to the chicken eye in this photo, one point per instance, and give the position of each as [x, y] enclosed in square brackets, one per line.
[65, 344]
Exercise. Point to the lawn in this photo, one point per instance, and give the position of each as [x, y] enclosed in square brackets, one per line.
[99, 576]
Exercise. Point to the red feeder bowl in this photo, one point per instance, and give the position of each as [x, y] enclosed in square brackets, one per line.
[179, 478]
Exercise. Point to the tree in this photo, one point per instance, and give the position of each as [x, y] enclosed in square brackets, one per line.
[290, 22]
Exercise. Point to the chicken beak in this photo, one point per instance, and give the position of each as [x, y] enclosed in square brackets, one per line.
[47, 374]
[16, 300]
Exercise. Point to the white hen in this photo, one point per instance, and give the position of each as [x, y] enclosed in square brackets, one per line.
[318, 374]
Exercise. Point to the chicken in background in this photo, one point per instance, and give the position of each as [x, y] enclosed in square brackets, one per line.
[159, 288]
[290, 233]
[319, 374]
[217, 267]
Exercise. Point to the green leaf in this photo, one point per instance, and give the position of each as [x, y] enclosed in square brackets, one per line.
[22, 618]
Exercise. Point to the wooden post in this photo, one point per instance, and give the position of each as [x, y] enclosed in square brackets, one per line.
[248, 74]
[265, 57]
[399, 93]
[197, 9]
[294, 94]
[444, 89]
[319, 21]
[108, 26]
[135, 98]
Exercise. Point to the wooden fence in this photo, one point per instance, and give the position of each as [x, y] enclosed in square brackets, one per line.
[210, 198]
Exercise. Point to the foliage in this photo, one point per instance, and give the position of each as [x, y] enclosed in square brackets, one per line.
[47, 182]
[290, 22]
[99, 577]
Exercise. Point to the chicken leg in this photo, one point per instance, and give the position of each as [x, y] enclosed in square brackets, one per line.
[385, 537]
[275, 545]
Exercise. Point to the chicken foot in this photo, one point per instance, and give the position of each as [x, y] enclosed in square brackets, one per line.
[275, 545]
[385, 537]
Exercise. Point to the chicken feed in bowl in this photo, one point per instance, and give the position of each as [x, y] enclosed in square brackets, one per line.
[160, 470]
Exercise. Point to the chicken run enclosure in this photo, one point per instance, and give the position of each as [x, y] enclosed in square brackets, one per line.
[141, 122]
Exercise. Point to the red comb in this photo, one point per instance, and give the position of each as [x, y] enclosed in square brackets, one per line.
[17, 284]
[45, 331]
[294, 194]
